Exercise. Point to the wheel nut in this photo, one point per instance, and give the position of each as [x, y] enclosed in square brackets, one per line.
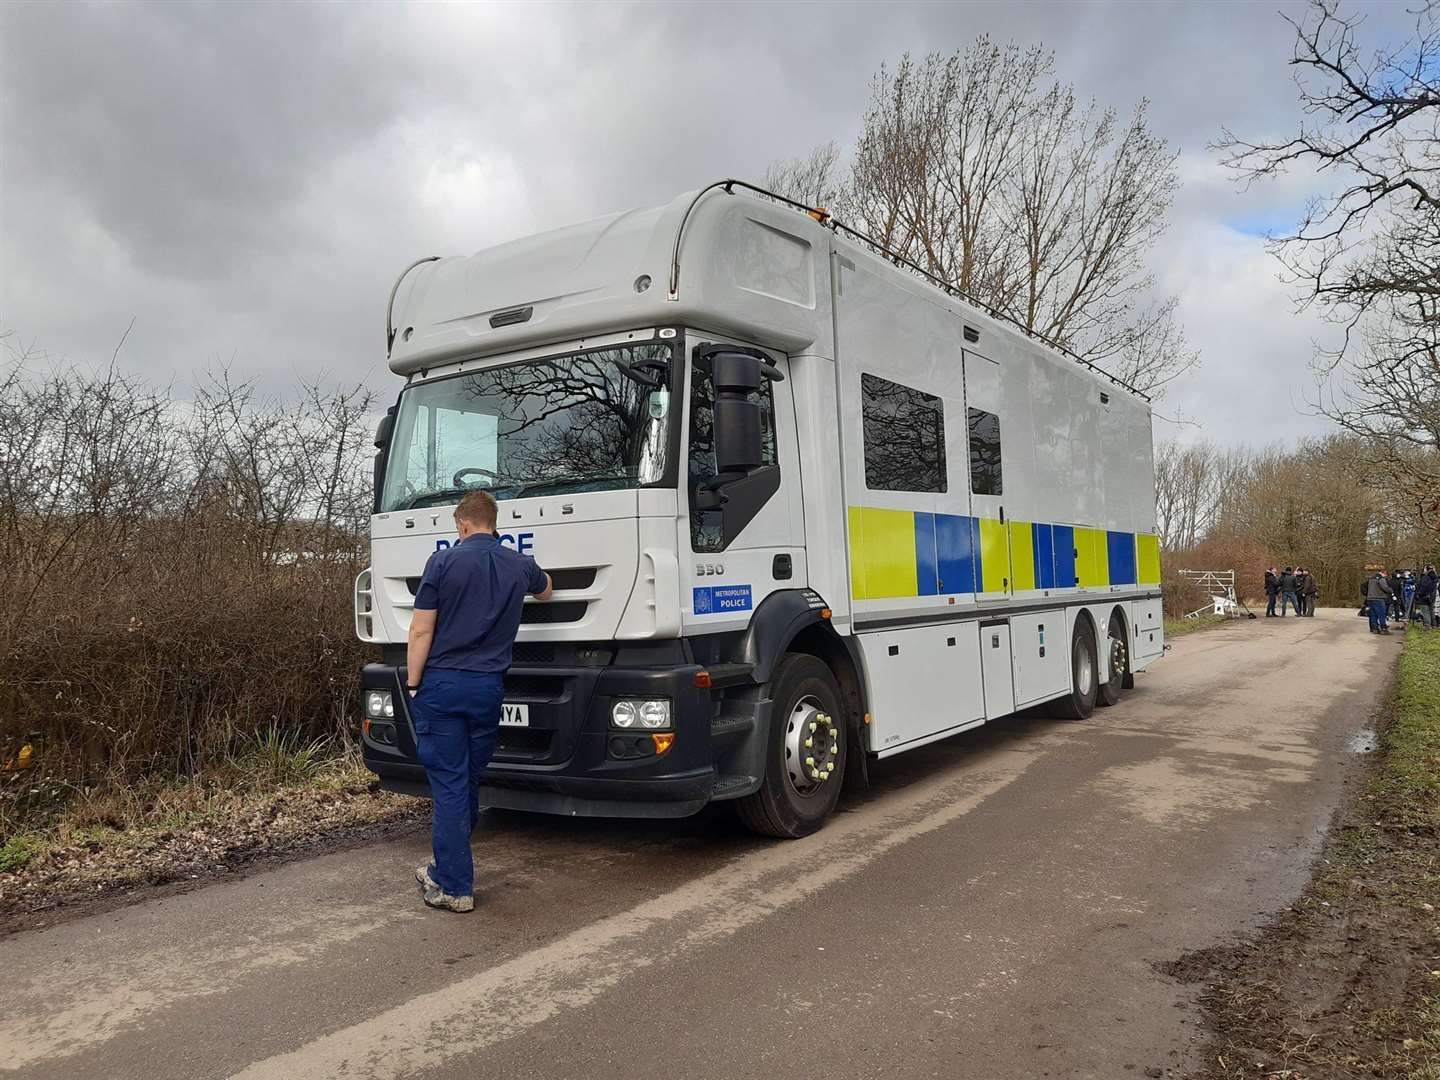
[809, 743]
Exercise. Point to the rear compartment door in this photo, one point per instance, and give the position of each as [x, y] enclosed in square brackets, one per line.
[983, 469]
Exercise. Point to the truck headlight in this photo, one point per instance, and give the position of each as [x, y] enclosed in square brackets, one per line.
[379, 705]
[651, 714]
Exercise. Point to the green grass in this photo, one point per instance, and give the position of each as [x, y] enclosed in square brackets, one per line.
[1409, 784]
[1406, 794]
[17, 851]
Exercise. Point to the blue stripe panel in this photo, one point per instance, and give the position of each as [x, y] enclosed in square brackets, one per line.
[1121, 547]
[925, 566]
[1044, 544]
[1064, 556]
[957, 546]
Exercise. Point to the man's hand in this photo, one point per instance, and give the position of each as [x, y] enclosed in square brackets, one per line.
[547, 592]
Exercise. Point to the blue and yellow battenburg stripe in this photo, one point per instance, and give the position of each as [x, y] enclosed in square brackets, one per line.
[911, 553]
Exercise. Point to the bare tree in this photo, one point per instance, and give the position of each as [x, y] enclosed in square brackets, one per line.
[984, 171]
[813, 179]
[1367, 253]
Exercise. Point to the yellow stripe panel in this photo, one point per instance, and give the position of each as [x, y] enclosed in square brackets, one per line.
[1148, 559]
[882, 553]
[1092, 567]
[1022, 555]
[857, 545]
[994, 556]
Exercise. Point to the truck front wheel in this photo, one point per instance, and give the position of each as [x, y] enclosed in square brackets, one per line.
[805, 760]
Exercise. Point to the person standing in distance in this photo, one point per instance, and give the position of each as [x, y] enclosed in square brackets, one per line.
[467, 613]
[1272, 591]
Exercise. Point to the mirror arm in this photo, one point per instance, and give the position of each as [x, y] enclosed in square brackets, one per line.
[767, 369]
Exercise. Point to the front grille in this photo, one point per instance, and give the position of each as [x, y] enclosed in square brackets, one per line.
[534, 688]
[522, 743]
[555, 611]
[533, 652]
[575, 577]
[578, 577]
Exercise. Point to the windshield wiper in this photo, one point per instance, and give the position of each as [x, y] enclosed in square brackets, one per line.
[430, 498]
[527, 487]
[424, 498]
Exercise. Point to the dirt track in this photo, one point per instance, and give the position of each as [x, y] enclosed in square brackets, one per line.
[993, 908]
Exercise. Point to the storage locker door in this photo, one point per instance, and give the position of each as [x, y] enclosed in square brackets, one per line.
[996, 668]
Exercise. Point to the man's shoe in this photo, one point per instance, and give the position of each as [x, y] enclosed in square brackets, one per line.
[425, 875]
[437, 899]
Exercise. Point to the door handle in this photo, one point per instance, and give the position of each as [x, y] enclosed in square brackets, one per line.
[781, 568]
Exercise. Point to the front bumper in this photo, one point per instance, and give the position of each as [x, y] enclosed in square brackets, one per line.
[564, 762]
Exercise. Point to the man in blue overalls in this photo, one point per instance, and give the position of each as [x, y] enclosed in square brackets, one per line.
[467, 612]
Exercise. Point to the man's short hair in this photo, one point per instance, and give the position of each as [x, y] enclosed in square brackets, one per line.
[478, 509]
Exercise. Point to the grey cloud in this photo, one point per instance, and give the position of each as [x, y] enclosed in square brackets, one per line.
[246, 179]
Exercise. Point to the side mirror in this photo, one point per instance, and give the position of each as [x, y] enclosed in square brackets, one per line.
[382, 446]
[383, 429]
[738, 377]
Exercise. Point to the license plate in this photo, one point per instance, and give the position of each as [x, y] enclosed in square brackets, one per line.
[514, 715]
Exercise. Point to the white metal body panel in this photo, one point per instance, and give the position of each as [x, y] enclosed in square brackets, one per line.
[1040, 644]
[822, 493]
[1148, 633]
[889, 325]
[923, 683]
[748, 267]
[996, 670]
[602, 530]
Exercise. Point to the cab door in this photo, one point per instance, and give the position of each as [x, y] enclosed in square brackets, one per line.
[994, 579]
[755, 543]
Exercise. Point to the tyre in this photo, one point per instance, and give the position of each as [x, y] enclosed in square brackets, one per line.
[1118, 654]
[805, 758]
[1084, 683]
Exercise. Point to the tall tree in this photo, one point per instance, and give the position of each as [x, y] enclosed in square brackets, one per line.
[1366, 253]
[985, 171]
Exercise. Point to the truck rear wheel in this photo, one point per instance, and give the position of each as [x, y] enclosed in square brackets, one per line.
[805, 760]
[1118, 657]
[1084, 677]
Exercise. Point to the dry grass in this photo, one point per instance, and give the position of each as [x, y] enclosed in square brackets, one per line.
[1180, 627]
[175, 593]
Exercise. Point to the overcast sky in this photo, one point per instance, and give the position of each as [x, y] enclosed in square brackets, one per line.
[245, 180]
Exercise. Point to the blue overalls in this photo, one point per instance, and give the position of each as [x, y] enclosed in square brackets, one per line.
[476, 589]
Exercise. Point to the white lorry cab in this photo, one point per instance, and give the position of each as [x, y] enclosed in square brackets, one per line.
[803, 509]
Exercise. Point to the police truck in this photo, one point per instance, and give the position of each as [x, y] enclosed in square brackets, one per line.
[805, 507]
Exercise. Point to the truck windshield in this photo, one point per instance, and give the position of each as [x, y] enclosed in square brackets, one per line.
[588, 421]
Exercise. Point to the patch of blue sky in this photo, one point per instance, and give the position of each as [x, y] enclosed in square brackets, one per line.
[1267, 223]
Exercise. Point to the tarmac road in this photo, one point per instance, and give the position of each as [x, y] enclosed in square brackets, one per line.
[992, 908]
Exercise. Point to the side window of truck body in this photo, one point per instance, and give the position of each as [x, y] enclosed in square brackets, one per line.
[985, 476]
[706, 526]
[904, 435]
